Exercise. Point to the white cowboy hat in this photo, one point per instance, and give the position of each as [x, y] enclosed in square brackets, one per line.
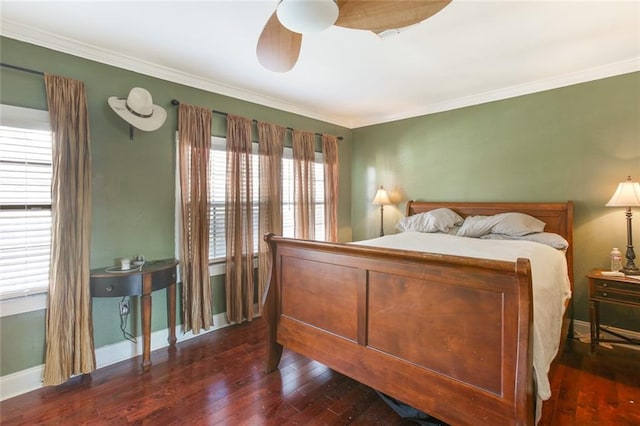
[138, 110]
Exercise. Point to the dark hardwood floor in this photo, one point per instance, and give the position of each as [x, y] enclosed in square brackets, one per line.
[218, 379]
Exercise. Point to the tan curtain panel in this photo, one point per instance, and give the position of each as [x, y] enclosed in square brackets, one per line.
[194, 139]
[69, 328]
[304, 184]
[239, 283]
[330, 156]
[271, 146]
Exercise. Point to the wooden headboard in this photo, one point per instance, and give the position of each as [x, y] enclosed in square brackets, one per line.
[558, 217]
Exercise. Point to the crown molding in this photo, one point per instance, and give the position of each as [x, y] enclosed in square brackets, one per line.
[591, 74]
[58, 43]
[38, 37]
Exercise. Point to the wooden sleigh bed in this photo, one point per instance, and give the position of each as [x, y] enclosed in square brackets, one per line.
[372, 314]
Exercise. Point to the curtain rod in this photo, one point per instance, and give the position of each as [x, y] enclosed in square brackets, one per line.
[176, 102]
[15, 67]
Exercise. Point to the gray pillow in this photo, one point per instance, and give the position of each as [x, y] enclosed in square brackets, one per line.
[438, 220]
[548, 238]
[476, 226]
[517, 224]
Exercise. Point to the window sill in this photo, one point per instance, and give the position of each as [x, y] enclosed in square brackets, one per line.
[23, 304]
[220, 267]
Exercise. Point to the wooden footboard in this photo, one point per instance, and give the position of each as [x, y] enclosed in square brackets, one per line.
[448, 335]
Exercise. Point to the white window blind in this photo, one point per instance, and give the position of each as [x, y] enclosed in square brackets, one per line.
[217, 189]
[25, 202]
[288, 199]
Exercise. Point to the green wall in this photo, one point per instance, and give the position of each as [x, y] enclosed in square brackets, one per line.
[133, 181]
[574, 143]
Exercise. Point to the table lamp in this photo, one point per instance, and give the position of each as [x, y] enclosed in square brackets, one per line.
[627, 195]
[381, 199]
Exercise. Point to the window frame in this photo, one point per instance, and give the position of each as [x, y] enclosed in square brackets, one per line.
[35, 298]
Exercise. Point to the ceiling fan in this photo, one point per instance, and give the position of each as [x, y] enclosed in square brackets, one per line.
[279, 43]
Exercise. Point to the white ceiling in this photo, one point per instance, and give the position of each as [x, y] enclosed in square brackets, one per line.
[471, 52]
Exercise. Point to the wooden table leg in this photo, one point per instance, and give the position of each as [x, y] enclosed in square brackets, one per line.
[594, 322]
[171, 313]
[146, 321]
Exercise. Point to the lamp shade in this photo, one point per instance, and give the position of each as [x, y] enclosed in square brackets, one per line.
[307, 16]
[381, 198]
[627, 195]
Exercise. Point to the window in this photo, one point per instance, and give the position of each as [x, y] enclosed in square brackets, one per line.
[217, 185]
[217, 191]
[25, 201]
[217, 188]
[288, 197]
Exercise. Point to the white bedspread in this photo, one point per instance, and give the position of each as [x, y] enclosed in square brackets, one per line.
[551, 286]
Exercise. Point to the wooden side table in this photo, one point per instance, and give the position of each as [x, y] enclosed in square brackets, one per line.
[153, 275]
[610, 289]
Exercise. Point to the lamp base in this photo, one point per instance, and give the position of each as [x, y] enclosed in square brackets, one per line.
[630, 267]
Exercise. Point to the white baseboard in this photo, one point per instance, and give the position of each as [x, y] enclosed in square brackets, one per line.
[20, 382]
[24, 381]
[582, 332]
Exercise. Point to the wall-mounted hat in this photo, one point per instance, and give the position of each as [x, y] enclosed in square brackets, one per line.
[138, 110]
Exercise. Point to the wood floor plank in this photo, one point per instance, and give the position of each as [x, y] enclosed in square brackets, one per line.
[627, 387]
[564, 397]
[218, 379]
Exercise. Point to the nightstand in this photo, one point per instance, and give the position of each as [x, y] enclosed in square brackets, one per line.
[610, 289]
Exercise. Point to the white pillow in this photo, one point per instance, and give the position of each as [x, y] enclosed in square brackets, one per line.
[517, 224]
[438, 220]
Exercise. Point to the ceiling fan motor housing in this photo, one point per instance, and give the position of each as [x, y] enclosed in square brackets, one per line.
[307, 16]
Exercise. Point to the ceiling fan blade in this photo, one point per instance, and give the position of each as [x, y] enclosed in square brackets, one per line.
[278, 48]
[383, 15]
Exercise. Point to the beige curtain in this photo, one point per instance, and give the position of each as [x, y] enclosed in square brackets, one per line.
[194, 139]
[330, 156]
[69, 328]
[271, 145]
[239, 283]
[304, 183]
